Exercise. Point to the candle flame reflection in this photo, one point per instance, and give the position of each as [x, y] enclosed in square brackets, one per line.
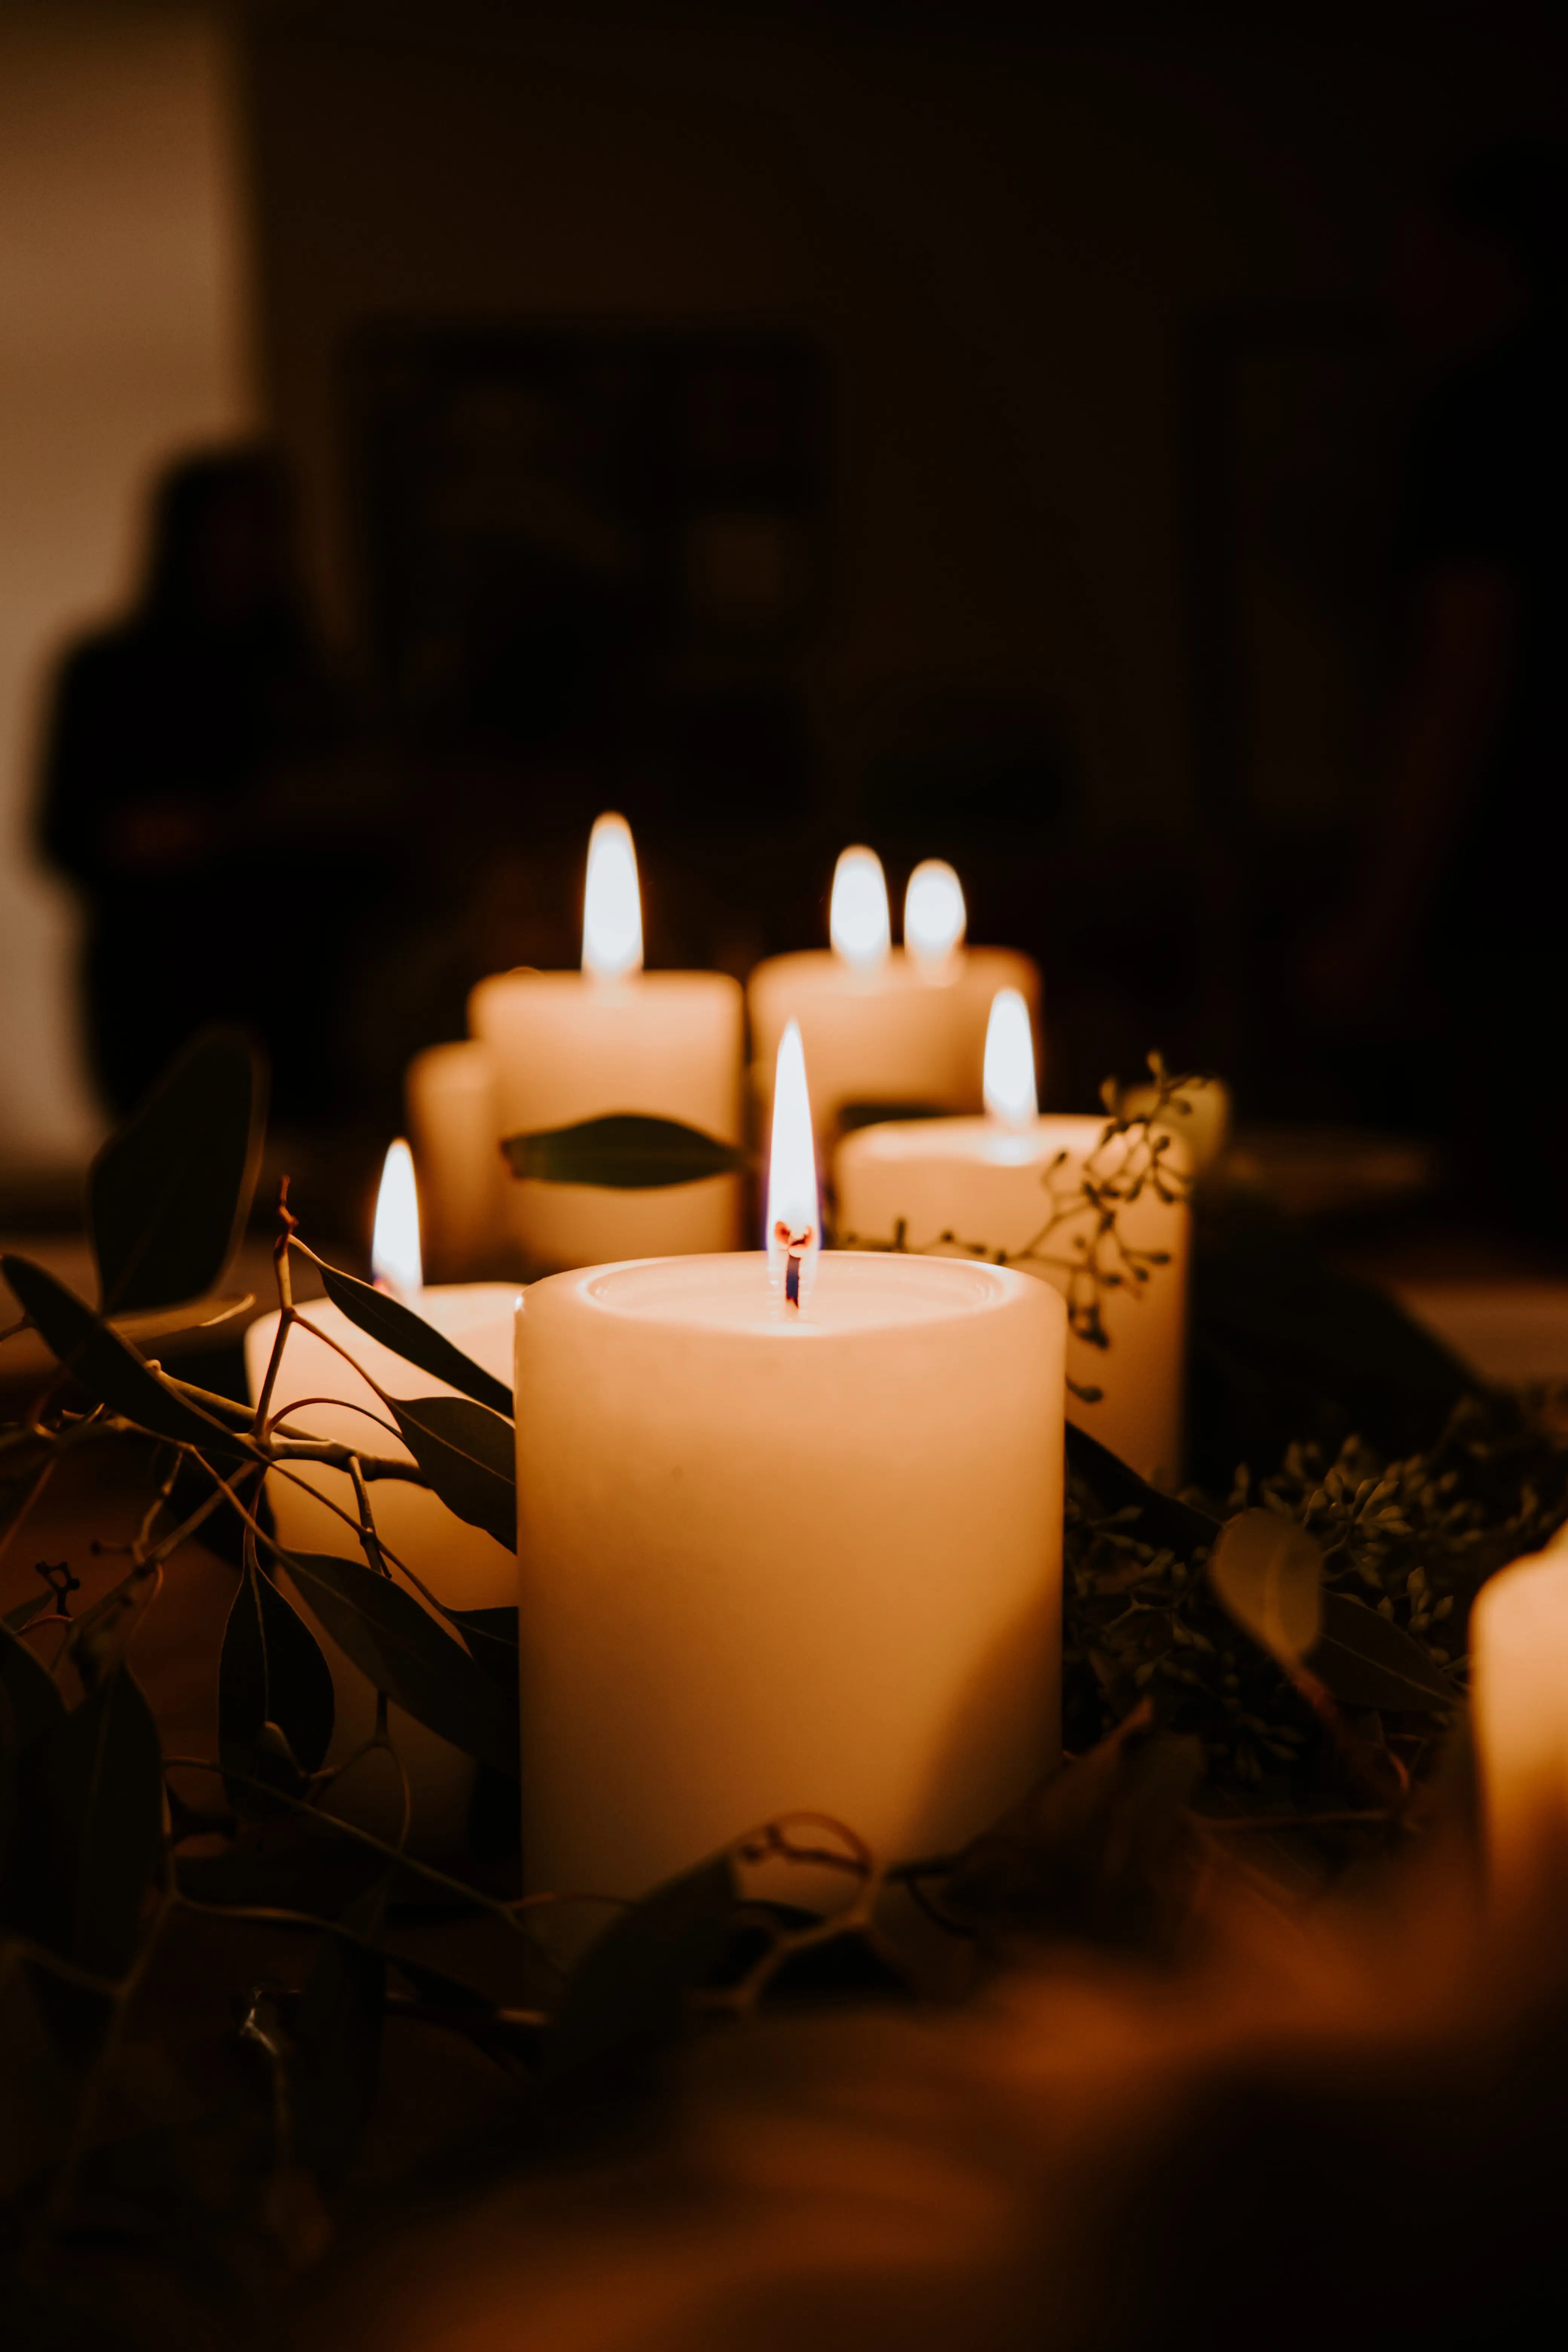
[394, 1261]
[935, 916]
[1009, 1080]
[795, 1217]
[612, 902]
[859, 922]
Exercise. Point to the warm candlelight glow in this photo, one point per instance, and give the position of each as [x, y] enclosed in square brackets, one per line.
[612, 902]
[795, 1221]
[934, 913]
[395, 1260]
[858, 923]
[1009, 1082]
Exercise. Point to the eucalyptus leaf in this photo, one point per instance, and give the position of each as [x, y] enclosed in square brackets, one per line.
[168, 1195]
[625, 1151]
[1162, 1518]
[492, 1635]
[18, 1620]
[103, 1791]
[403, 1650]
[195, 1314]
[629, 1989]
[271, 1670]
[408, 1335]
[110, 1371]
[36, 1706]
[1268, 1573]
[1365, 1660]
[39, 2093]
[468, 1456]
[337, 2025]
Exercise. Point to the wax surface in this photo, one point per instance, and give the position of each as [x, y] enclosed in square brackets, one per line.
[568, 1047]
[769, 1564]
[893, 1035]
[1519, 1704]
[994, 1187]
[463, 1566]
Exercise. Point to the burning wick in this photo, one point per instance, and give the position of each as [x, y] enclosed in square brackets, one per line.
[795, 1241]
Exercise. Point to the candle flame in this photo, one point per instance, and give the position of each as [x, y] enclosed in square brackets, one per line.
[394, 1261]
[1009, 1082]
[935, 915]
[612, 902]
[794, 1216]
[859, 922]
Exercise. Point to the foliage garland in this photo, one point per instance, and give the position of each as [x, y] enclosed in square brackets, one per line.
[1275, 1670]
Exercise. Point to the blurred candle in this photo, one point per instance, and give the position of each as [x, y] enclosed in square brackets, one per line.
[455, 1129]
[1519, 1704]
[880, 1024]
[993, 1183]
[317, 1391]
[783, 1545]
[573, 1045]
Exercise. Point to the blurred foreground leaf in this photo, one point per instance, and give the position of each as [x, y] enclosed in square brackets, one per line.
[168, 1195]
[102, 1784]
[468, 1456]
[402, 1649]
[625, 1152]
[1268, 1573]
[270, 1670]
[409, 1336]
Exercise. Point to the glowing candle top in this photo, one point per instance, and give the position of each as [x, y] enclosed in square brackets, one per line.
[935, 916]
[859, 922]
[1009, 1080]
[612, 902]
[396, 1263]
[795, 1219]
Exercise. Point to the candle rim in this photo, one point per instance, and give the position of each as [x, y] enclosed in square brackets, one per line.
[951, 1290]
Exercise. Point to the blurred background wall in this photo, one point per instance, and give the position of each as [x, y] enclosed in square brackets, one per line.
[124, 336]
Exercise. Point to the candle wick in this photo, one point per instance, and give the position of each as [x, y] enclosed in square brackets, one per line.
[795, 1244]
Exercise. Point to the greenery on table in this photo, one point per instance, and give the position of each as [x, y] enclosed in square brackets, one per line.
[1261, 1673]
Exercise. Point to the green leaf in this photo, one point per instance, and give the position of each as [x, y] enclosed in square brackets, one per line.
[629, 1989]
[1364, 1660]
[492, 1635]
[103, 1789]
[1268, 1573]
[271, 1670]
[468, 1456]
[1162, 1518]
[402, 1649]
[418, 1342]
[17, 1621]
[625, 1152]
[195, 1314]
[168, 1195]
[111, 1372]
[36, 1706]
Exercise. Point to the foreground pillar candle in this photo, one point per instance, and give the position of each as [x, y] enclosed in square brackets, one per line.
[573, 1045]
[996, 1183]
[775, 1558]
[882, 1025]
[317, 1390]
[1519, 1699]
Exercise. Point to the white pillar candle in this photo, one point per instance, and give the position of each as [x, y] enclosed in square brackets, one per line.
[881, 1025]
[776, 1558]
[568, 1047]
[993, 1184]
[455, 1129]
[319, 1392]
[1519, 1701]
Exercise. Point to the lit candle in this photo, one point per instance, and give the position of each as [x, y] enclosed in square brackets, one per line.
[455, 1129]
[1519, 1704]
[569, 1045]
[1013, 1183]
[320, 1393]
[880, 1024]
[782, 1543]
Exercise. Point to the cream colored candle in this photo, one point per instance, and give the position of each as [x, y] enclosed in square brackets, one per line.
[455, 1129]
[880, 1024]
[569, 1045]
[1519, 1701]
[1011, 1180]
[319, 1392]
[776, 1558]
